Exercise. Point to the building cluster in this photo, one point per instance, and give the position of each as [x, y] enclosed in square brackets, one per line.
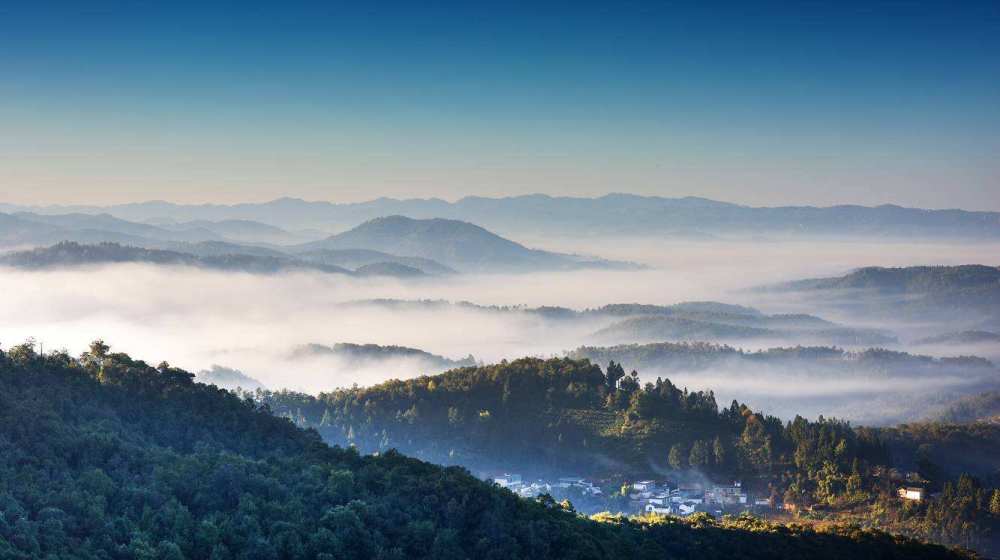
[559, 487]
[644, 496]
[649, 496]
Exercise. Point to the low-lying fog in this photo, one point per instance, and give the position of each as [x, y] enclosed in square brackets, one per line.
[195, 318]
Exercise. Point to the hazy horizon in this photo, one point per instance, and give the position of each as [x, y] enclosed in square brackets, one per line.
[453, 200]
[763, 105]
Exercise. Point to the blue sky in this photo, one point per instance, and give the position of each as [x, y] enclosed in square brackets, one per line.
[762, 103]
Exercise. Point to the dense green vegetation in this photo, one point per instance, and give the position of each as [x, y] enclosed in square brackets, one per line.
[983, 407]
[567, 416]
[946, 450]
[106, 457]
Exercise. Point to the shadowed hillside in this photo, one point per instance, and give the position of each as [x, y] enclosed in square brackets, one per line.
[123, 460]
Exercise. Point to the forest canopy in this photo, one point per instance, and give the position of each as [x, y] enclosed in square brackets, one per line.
[104, 456]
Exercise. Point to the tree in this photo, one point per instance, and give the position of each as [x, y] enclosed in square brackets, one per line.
[676, 457]
[99, 349]
[699, 455]
[614, 373]
[719, 451]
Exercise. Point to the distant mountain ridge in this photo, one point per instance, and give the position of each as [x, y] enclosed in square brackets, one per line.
[626, 214]
[355, 258]
[27, 229]
[913, 279]
[702, 356]
[458, 244]
[963, 337]
[912, 293]
[393, 245]
[984, 407]
[70, 254]
[362, 354]
[651, 328]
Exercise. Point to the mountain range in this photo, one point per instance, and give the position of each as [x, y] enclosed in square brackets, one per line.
[625, 214]
[392, 245]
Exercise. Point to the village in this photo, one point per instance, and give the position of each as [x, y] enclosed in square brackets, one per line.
[644, 496]
[659, 497]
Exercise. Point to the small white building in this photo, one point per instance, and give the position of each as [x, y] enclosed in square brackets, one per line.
[644, 485]
[911, 493]
[687, 507]
[508, 480]
[658, 509]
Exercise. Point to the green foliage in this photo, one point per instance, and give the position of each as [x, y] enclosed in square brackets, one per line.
[965, 513]
[105, 457]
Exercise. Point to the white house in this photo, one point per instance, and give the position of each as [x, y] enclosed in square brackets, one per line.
[726, 495]
[658, 509]
[911, 493]
[508, 480]
[687, 507]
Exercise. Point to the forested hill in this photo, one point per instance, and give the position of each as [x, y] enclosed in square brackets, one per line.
[915, 293]
[909, 280]
[563, 415]
[106, 457]
[701, 356]
[366, 355]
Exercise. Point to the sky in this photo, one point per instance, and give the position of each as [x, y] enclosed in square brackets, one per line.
[760, 103]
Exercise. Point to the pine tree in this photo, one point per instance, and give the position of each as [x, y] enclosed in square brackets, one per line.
[719, 450]
[676, 457]
[699, 454]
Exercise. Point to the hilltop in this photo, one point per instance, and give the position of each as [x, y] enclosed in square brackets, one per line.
[457, 244]
[911, 293]
[365, 355]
